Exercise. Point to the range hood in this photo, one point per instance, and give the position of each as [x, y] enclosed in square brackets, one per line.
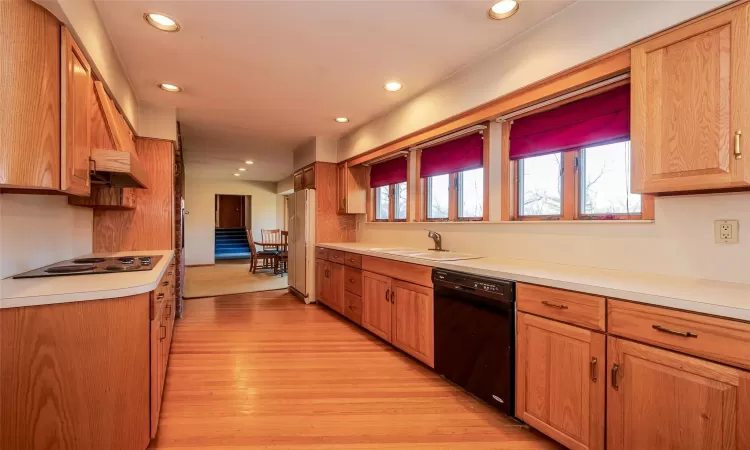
[116, 165]
[117, 169]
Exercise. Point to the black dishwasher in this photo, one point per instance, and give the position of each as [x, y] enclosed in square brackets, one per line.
[475, 335]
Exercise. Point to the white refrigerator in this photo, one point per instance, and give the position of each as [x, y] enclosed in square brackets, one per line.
[301, 212]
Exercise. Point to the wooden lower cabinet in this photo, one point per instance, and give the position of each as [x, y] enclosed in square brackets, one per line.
[376, 304]
[560, 381]
[413, 320]
[329, 284]
[659, 399]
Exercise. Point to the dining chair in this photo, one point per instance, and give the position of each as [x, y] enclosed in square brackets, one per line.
[273, 237]
[266, 256]
[282, 256]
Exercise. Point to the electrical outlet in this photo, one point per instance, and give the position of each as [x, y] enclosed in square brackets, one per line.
[727, 231]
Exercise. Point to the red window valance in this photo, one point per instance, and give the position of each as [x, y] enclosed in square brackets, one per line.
[595, 120]
[459, 154]
[388, 172]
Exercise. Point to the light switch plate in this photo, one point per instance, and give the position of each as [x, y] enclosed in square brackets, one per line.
[727, 231]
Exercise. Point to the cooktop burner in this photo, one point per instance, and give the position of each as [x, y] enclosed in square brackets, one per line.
[88, 260]
[69, 269]
[94, 265]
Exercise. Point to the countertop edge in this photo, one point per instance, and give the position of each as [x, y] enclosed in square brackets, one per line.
[53, 299]
[614, 293]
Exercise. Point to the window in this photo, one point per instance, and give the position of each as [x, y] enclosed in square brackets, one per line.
[389, 197]
[453, 179]
[573, 162]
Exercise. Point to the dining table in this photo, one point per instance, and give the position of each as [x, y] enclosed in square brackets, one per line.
[278, 245]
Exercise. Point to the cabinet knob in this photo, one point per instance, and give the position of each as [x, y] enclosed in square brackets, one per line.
[166, 283]
[160, 296]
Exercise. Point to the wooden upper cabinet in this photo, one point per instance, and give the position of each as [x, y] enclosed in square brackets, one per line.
[376, 304]
[298, 181]
[661, 399]
[351, 192]
[76, 85]
[560, 381]
[29, 97]
[413, 321]
[308, 177]
[690, 108]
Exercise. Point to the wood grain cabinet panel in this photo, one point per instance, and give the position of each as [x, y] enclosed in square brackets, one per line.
[353, 307]
[413, 320]
[689, 102]
[353, 260]
[322, 281]
[353, 280]
[77, 85]
[560, 381]
[413, 273]
[351, 189]
[566, 306]
[29, 96]
[721, 340]
[336, 296]
[336, 256]
[376, 304]
[658, 399]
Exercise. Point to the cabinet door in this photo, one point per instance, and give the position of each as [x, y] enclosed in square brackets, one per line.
[376, 304]
[336, 286]
[308, 178]
[689, 102]
[76, 125]
[660, 399]
[298, 186]
[341, 187]
[321, 281]
[560, 381]
[156, 371]
[413, 321]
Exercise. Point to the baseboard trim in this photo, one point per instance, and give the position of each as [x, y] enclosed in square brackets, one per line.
[199, 265]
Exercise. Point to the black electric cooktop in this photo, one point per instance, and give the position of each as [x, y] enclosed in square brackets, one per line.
[94, 265]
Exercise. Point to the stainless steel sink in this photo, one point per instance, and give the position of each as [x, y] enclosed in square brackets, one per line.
[427, 255]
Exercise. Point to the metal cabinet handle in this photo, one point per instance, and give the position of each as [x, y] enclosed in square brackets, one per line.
[678, 333]
[615, 372]
[553, 305]
[737, 150]
[392, 294]
[162, 332]
[387, 292]
[594, 371]
[169, 311]
[160, 296]
[166, 283]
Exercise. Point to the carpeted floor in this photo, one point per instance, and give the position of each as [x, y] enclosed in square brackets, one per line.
[229, 277]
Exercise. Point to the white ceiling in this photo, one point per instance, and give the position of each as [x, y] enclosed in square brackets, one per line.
[260, 77]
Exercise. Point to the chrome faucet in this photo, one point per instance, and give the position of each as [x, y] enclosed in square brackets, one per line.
[438, 241]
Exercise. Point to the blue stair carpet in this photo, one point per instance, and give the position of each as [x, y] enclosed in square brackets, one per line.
[231, 243]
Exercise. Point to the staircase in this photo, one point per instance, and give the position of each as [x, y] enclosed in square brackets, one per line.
[231, 243]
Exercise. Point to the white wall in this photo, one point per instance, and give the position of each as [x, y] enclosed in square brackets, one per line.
[304, 154]
[37, 230]
[199, 202]
[157, 122]
[285, 186]
[680, 242]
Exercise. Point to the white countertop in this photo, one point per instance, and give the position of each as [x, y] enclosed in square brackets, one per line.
[50, 290]
[718, 298]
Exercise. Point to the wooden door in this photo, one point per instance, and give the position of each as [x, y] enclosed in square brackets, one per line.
[665, 400]
[230, 211]
[413, 321]
[322, 282]
[376, 304]
[336, 286]
[689, 102]
[560, 381]
[341, 187]
[77, 88]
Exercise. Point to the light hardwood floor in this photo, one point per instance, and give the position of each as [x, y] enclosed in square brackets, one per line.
[264, 371]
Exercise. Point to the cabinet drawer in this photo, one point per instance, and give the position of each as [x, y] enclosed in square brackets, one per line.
[353, 280]
[353, 260]
[321, 253]
[721, 340]
[336, 256]
[413, 273]
[566, 306]
[353, 307]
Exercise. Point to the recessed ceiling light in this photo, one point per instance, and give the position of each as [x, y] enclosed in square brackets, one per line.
[393, 86]
[236, 174]
[342, 120]
[503, 9]
[242, 169]
[170, 87]
[249, 162]
[162, 22]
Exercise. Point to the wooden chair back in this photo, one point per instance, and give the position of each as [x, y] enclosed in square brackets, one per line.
[270, 235]
[251, 243]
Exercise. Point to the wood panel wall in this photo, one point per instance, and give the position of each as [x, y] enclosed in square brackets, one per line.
[151, 225]
[329, 225]
[76, 375]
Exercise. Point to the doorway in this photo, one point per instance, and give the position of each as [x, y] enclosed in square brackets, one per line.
[233, 211]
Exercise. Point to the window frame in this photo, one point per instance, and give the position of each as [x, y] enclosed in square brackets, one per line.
[571, 184]
[453, 188]
[371, 202]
